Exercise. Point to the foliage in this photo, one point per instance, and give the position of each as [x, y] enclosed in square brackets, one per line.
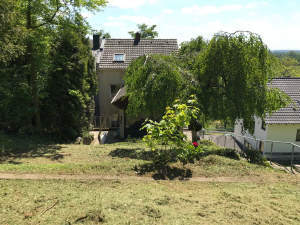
[255, 156]
[71, 85]
[153, 82]
[102, 34]
[232, 76]
[168, 132]
[87, 138]
[11, 30]
[31, 43]
[189, 51]
[145, 31]
[288, 67]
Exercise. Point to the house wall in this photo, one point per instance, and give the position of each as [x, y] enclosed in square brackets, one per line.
[259, 133]
[284, 133]
[273, 132]
[106, 78]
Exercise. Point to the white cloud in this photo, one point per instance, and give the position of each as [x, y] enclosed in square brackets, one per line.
[275, 32]
[134, 19]
[114, 24]
[210, 9]
[168, 11]
[130, 4]
[213, 9]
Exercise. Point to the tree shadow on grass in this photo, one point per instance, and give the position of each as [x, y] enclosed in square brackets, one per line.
[133, 153]
[163, 172]
[160, 171]
[13, 147]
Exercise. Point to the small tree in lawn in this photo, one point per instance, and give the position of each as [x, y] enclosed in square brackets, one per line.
[167, 134]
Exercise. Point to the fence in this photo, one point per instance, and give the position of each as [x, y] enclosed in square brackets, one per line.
[105, 123]
[277, 151]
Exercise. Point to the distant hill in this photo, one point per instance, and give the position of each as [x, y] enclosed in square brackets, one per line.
[285, 51]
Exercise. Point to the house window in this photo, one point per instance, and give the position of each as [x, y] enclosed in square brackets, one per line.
[119, 57]
[298, 135]
[263, 124]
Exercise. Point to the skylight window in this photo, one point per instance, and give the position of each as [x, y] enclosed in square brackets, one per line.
[119, 57]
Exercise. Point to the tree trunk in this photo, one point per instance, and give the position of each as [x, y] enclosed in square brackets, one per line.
[194, 135]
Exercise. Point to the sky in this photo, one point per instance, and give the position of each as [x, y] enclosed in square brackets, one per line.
[276, 21]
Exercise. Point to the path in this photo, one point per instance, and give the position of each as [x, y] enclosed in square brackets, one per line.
[96, 139]
[37, 176]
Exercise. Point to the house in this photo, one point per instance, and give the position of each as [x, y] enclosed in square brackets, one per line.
[112, 57]
[283, 125]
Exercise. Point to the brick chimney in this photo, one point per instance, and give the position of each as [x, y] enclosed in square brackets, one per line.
[137, 38]
[96, 41]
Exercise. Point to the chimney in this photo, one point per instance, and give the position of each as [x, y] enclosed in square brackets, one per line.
[96, 42]
[137, 38]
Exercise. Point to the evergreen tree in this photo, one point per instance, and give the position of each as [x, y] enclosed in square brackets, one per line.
[72, 82]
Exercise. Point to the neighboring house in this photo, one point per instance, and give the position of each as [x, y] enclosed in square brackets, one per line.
[283, 125]
[112, 57]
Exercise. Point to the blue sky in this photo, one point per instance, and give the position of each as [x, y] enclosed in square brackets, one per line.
[277, 21]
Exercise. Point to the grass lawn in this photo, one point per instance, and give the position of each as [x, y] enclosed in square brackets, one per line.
[155, 202]
[119, 159]
[271, 196]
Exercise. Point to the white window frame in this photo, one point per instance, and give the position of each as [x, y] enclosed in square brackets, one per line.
[114, 58]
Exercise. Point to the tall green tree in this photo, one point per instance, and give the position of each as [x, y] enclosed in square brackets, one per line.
[40, 15]
[232, 76]
[147, 32]
[29, 34]
[153, 82]
[11, 30]
[72, 82]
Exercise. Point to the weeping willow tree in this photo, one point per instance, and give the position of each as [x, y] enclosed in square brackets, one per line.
[153, 82]
[232, 76]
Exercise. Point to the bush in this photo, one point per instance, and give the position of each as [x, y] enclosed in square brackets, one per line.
[255, 156]
[168, 133]
[87, 138]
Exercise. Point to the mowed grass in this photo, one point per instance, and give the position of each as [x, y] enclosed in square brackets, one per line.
[155, 202]
[131, 158]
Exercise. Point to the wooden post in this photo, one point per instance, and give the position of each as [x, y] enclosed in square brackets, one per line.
[256, 144]
[233, 142]
[272, 150]
[292, 156]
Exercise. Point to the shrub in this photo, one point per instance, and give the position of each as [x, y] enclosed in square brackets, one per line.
[255, 156]
[87, 138]
[167, 134]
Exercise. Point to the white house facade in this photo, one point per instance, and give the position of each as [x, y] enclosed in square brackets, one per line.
[281, 126]
[112, 57]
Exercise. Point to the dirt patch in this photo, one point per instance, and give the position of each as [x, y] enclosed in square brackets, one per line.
[12, 176]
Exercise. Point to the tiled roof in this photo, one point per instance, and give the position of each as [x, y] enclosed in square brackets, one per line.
[291, 113]
[131, 51]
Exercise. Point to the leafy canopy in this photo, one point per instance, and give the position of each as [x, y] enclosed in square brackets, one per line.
[231, 78]
[145, 31]
[153, 82]
[166, 137]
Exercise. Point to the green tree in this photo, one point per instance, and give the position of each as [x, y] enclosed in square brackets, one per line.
[41, 15]
[11, 30]
[232, 76]
[72, 82]
[147, 32]
[102, 34]
[29, 35]
[189, 51]
[167, 134]
[153, 82]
